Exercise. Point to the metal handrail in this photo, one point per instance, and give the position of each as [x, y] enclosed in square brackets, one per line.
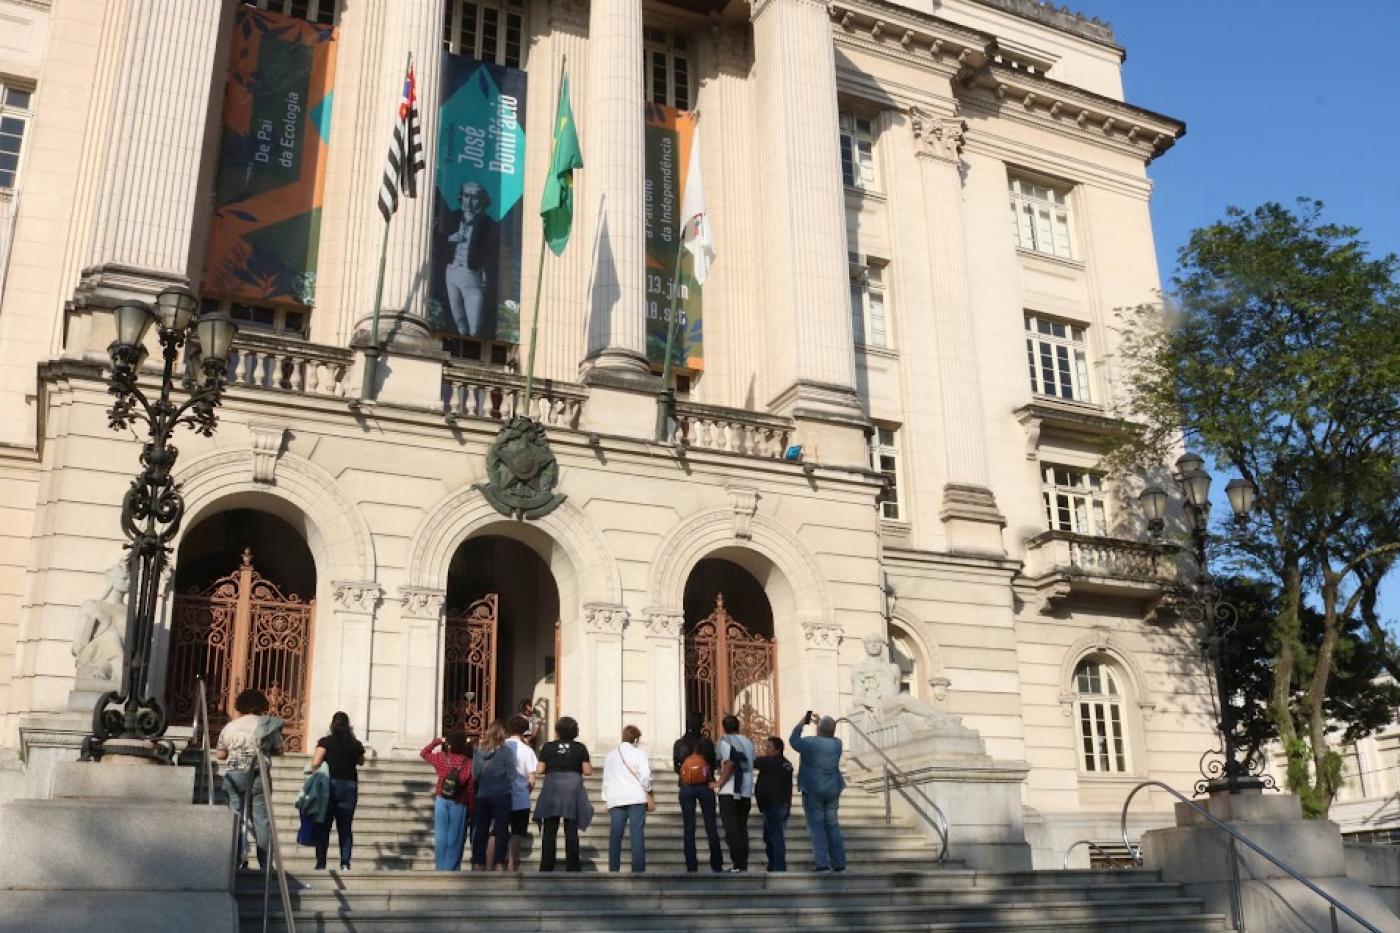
[1107, 855]
[1237, 836]
[940, 826]
[201, 724]
[274, 849]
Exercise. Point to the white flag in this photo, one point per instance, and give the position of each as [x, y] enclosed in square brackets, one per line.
[696, 235]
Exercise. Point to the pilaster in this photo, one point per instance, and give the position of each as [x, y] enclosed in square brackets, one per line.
[970, 515]
[665, 660]
[821, 656]
[354, 604]
[597, 704]
[811, 356]
[412, 659]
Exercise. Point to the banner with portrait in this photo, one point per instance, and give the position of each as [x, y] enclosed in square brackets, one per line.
[272, 160]
[669, 134]
[478, 201]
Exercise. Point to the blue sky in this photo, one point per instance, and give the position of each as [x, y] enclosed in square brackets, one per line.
[1281, 98]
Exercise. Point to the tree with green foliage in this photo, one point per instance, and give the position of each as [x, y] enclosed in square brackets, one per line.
[1280, 360]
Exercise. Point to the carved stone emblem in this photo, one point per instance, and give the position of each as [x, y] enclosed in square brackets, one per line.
[521, 471]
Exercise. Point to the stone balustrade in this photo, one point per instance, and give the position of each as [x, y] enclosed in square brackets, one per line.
[1088, 555]
[732, 430]
[262, 362]
[470, 391]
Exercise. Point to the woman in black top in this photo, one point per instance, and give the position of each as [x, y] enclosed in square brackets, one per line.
[564, 764]
[342, 754]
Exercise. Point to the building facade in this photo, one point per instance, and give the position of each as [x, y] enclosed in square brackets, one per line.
[893, 431]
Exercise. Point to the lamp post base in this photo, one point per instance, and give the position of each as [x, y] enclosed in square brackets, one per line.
[127, 751]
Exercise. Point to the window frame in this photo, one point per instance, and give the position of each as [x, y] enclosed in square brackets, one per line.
[506, 47]
[1093, 522]
[869, 289]
[1068, 353]
[883, 443]
[25, 116]
[319, 12]
[247, 312]
[1056, 239]
[1101, 720]
[676, 77]
[864, 173]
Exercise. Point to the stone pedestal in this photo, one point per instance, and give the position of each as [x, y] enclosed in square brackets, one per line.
[409, 371]
[1198, 855]
[979, 795]
[119, 847]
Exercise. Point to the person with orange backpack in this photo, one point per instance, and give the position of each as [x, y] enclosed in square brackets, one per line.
[696, 766]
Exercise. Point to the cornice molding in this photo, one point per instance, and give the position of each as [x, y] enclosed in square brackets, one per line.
[907, 36]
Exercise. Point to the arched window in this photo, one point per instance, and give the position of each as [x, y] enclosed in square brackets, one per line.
[903, 653]
[1102, 726]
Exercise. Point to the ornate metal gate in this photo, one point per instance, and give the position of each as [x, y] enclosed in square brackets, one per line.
[241, 632]
[730, 670]
[469, 668]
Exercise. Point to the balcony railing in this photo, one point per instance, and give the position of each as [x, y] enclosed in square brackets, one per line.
[470, 391]
[264, 362]
[1061, 563]
[732, 430]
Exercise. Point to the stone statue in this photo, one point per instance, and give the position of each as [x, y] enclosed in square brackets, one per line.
[890, 716]
[875, 679]
[98, 640]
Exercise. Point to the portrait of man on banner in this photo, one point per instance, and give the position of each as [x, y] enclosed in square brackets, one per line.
[474, 278]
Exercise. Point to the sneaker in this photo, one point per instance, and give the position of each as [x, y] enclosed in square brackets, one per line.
[344, 866]
[737, 871]
[820, 870]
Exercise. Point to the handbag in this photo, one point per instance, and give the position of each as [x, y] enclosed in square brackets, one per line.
[651, 797]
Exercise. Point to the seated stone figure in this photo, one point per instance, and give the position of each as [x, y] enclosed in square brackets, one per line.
[98, 639]
[891, 717]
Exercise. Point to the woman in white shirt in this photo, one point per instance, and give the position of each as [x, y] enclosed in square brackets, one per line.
[627, 794]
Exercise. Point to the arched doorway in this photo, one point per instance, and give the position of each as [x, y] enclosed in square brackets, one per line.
[730, 651]
[242, 617]
[501, 641]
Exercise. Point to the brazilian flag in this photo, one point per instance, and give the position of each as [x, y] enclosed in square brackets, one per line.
[557, 205]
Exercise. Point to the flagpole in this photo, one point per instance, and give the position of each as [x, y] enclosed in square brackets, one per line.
[367, 385]
[666, 398]
[544, 246]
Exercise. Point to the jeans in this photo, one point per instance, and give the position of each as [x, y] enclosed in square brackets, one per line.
[633, 818]
[549, 845]
[344, 795]
[492, 819]
[774, 839]
[828, 849]
[236, 789]
[690, 795]
[734, 814]
[449, 834]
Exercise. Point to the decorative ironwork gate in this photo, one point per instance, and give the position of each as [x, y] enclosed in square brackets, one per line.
[730, 670]
[469, 668]
[237, 633]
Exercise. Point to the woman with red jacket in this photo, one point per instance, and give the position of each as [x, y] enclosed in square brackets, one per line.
[451, 758]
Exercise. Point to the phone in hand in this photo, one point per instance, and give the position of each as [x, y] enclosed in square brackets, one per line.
[808, 720]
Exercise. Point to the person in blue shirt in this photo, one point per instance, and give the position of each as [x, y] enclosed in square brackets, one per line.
[820, 781]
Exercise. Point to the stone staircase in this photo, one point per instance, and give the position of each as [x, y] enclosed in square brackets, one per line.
[892, 883]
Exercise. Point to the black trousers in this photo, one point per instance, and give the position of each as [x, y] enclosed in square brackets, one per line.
[734, 814]
[549, 845]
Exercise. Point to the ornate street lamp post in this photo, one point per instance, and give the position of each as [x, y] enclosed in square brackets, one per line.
[1203, 605]
[128, 721]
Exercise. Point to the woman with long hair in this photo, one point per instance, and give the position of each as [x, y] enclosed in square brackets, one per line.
[564, 764]
[342, 754]
[493, 764]
[451, 758]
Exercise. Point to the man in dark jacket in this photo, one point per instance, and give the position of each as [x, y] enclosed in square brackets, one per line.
[694, 742]
[773, 792]
[819, 778]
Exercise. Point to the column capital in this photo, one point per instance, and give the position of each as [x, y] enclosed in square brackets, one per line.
[356, 596]
[604, 618]
[665, 624]
[761, 5]
[939, 138]
[419, 602]
[732, 52]
[823, 636]
[569, 14]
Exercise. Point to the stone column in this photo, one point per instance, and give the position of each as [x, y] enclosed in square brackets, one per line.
[614, 151]
[354, 608]
[416, 679]
[821, 671]
[970, 515]
[597, 704]
[806, 291]
[147, 170]
[665, 663]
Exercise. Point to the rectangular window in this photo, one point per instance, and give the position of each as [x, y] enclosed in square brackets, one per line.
[1057, 355]
[490, 31]
[858, 152]
[1101, 731]
[1040, 218]
[667, 64]
[15, 115]
[1074, 500]
[272, 319]
[884, 459]
[869, 322]
[313, 11]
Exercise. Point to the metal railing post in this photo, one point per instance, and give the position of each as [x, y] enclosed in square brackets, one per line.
[274, 851]
[1236, 895]
[887, 794]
